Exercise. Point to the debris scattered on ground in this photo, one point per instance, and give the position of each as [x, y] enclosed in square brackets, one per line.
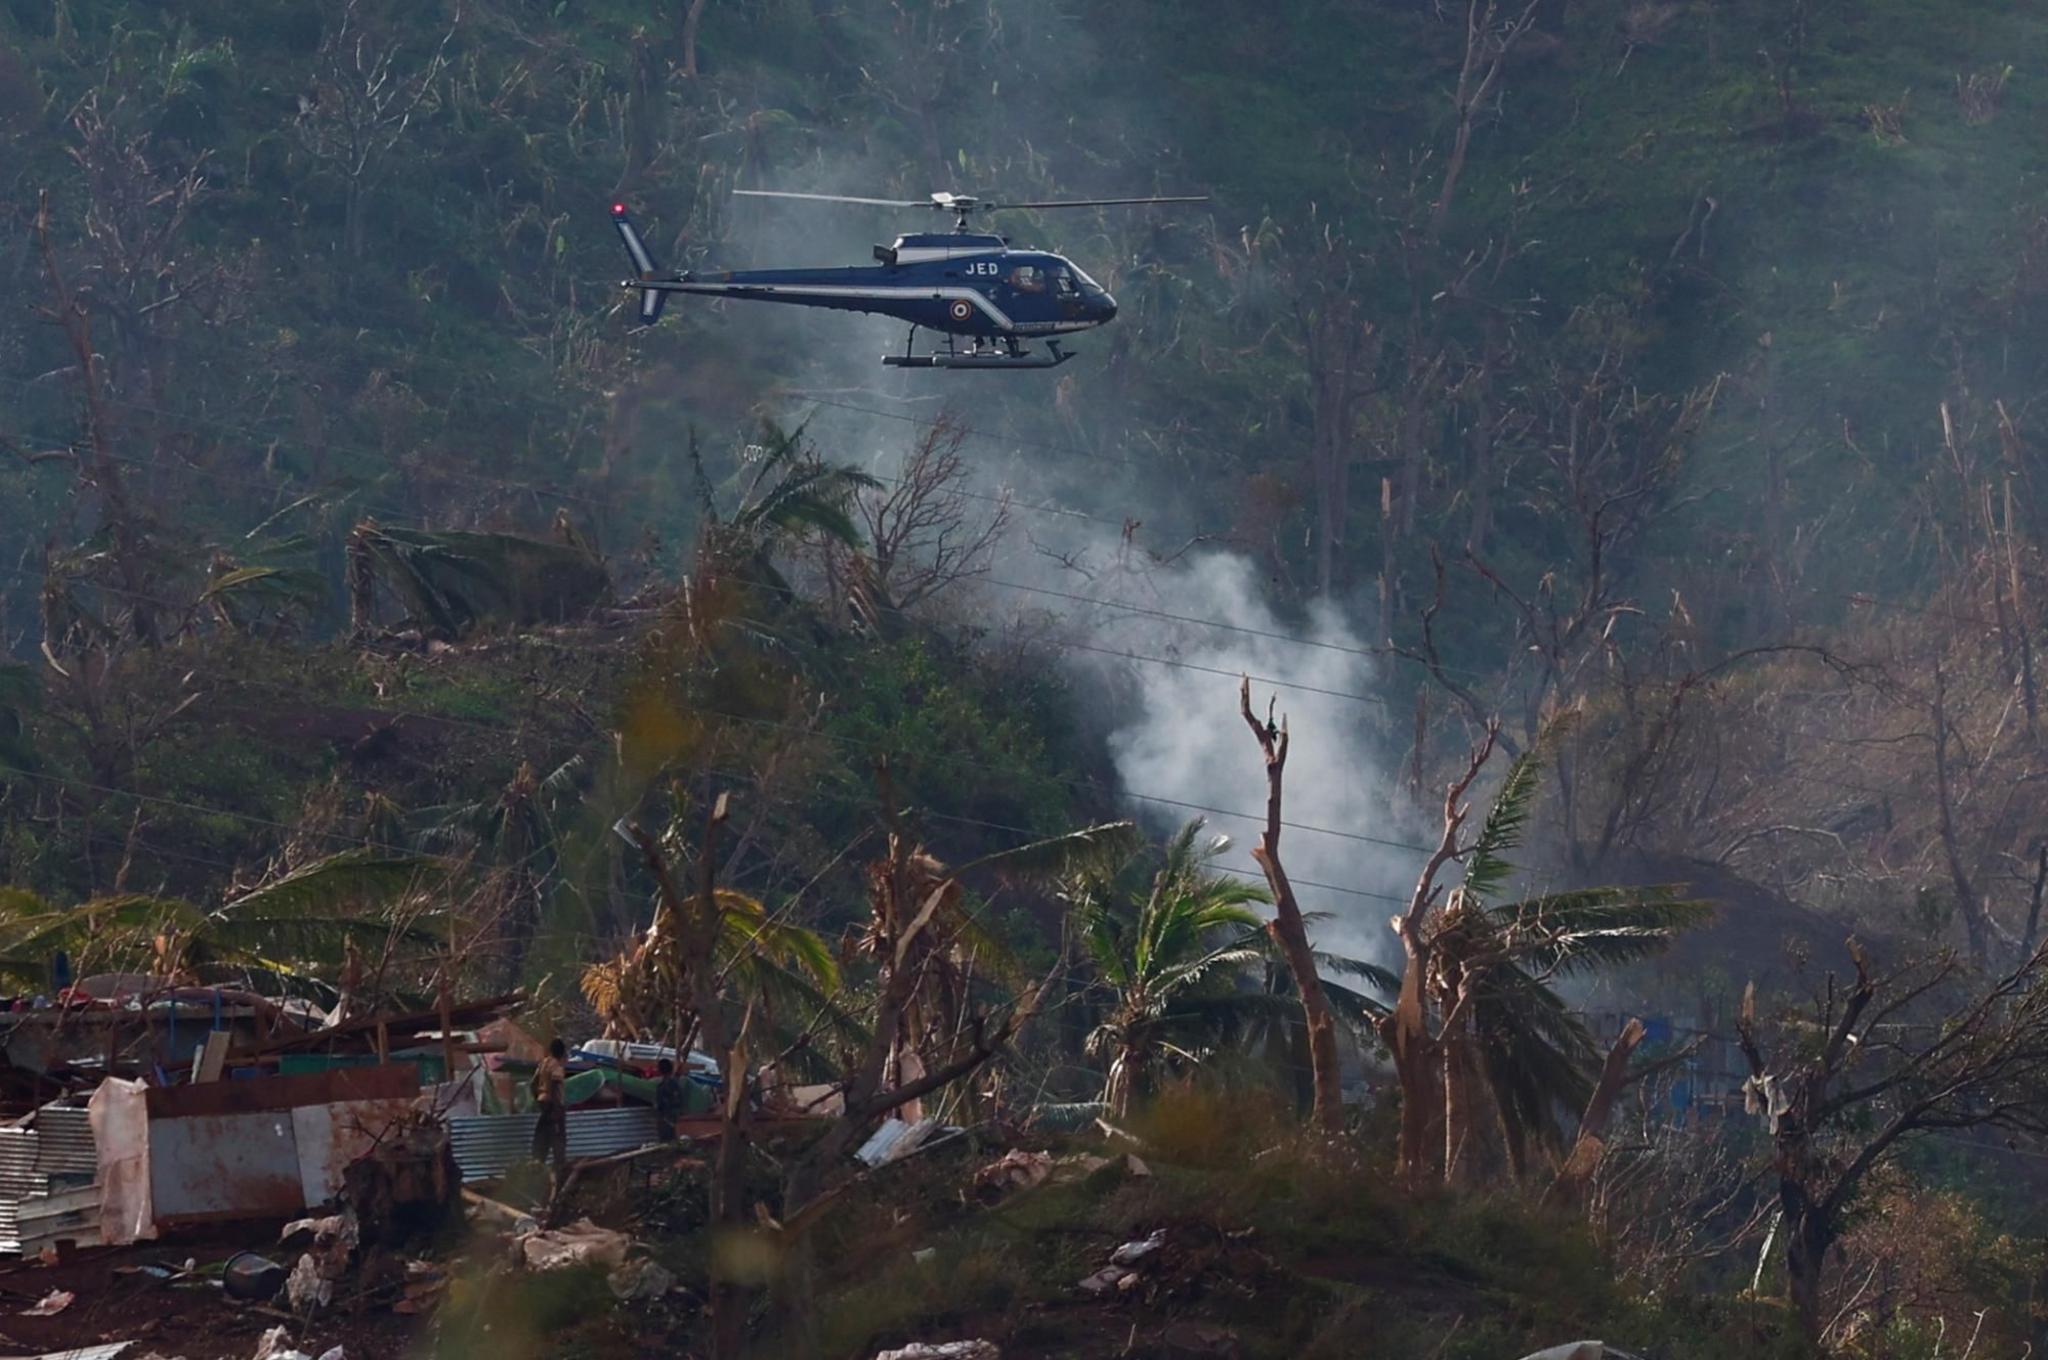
[53, 1303]
[641, 1279]
[517, 1220]
[944, 1350]
[307, 1290]
[895, 1139]
[331, 1248]
[581, 1243]
[1106, 1279]
[1130, 1253]
[1121, 1273]
[1188, 1261]
[275, 1344]
[424, 1282]
[1016, 1169]
[1079, 1166]
[253, 1277]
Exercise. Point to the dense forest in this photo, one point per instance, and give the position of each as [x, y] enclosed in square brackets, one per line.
[1487, 726]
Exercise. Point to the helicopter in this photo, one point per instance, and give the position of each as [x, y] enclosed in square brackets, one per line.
[986, 298]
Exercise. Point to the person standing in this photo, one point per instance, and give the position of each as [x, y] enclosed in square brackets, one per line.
[668, 1101]
[551, 1134]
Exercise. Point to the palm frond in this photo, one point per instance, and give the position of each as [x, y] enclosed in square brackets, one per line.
[1487, 869]
[748, 928]
[1382, 980]
[72, 928]
[362, 877]
[1055, 854]
[1585, 928]
[1172, 980]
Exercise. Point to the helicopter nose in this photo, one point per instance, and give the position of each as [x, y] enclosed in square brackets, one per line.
[1106, 305]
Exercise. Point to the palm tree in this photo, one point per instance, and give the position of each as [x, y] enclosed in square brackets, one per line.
[1173, 947]
[1491, 972]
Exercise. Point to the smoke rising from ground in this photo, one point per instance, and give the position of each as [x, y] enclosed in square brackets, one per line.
[1182, 740]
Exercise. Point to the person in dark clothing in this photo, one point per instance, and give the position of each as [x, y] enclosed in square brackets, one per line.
[668, 1101]
[551, 1134]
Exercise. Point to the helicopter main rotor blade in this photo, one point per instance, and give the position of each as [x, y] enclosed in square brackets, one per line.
[1102, 202]
[837, 198]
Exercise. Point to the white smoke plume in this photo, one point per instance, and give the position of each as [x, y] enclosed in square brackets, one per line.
[1182, 749]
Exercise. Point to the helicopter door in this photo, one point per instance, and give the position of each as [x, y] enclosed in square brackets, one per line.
[1068, 289]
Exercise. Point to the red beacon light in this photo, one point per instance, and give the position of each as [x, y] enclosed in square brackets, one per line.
[618, 210]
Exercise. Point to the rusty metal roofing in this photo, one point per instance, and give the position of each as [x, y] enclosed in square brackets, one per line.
[486, 1146]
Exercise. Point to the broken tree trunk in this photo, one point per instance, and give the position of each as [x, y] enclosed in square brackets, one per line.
[1591, 1143]
[1288, 928]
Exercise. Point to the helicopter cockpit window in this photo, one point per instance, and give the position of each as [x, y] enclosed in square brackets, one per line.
[1068, 285]
[1028, 278]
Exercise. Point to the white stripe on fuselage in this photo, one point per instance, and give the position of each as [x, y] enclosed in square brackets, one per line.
[973, 295]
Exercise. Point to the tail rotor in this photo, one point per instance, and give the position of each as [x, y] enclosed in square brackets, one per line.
[652, 300]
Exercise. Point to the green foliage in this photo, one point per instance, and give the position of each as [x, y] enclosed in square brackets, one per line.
[454, 580]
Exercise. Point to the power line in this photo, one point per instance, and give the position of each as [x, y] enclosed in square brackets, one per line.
[365, 842]
[398, 461]
[607, 503]
[1076, 784]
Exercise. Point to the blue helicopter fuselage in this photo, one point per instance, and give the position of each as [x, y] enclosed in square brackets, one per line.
[959, 283]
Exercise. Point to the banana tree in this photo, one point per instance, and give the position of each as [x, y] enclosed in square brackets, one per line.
[520, 831]
[640, 993]
[291, 932]
[922, 928]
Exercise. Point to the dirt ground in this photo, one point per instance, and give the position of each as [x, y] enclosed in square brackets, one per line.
[194, 1320]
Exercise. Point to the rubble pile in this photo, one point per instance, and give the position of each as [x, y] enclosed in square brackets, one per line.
[1183, 1262]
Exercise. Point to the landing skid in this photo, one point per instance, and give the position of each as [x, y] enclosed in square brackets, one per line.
[1012, 355]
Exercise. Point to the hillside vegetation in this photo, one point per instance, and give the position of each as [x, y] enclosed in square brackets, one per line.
[1620, 411]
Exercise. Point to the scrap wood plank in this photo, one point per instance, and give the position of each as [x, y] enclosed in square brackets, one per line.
[207, 1066]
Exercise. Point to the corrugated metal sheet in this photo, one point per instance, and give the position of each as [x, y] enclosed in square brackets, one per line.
[43, 1161]
[68, 1214]
[65, 1146]
[488, 1145]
